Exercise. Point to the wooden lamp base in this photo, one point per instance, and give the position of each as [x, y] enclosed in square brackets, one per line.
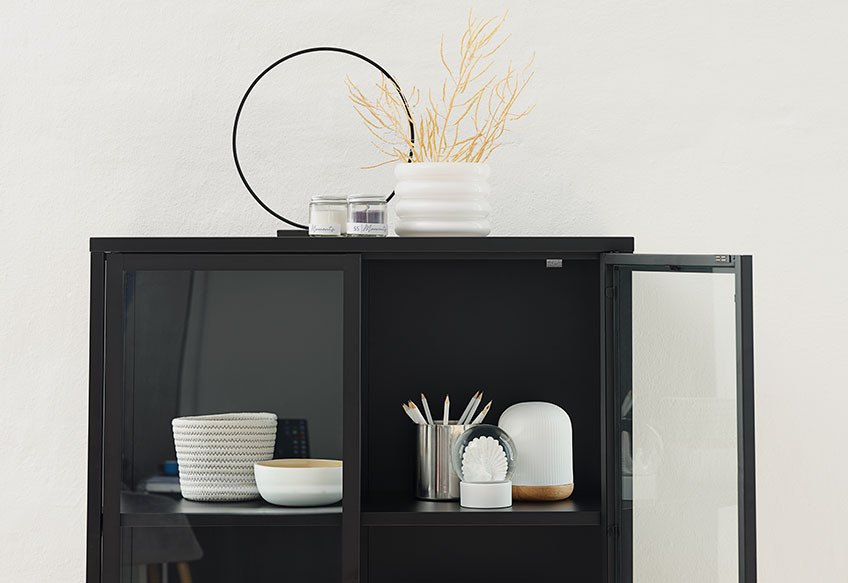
[541, 493]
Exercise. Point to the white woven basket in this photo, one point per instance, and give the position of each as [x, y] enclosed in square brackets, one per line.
[216, 454]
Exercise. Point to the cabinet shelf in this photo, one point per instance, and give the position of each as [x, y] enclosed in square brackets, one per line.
[424, 513]
[140, 510]
[143, 510]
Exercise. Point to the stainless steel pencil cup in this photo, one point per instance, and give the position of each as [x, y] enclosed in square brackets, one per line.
[435, 476]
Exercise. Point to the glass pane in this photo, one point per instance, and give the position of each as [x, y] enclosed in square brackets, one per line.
[257, 554]
[679, 442]
[204, 342]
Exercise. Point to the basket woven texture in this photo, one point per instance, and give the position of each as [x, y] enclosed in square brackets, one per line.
[216, 454]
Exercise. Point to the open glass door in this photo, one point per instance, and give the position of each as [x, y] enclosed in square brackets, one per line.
[679, 377]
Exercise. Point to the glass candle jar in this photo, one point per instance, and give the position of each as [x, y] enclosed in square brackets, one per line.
[366, 216]
[327, 215]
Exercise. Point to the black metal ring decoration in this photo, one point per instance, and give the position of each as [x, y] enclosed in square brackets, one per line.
[284, 59]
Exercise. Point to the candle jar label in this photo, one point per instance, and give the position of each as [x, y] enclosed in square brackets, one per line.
[368, 229]
[325, 230]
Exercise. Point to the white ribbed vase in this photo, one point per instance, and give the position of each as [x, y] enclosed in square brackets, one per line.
[216, 453]
[542, 433]
[442, 199]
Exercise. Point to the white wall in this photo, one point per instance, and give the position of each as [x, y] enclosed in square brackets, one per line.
[694, 126]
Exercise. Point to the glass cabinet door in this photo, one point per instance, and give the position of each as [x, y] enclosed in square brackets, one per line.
[208, 334]
[680, 389]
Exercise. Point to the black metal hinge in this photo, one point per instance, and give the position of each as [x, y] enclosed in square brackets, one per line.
[614, 530]
[610, 292]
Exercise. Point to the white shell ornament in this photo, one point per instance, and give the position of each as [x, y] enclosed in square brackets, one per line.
[484, 460]
[484, 453]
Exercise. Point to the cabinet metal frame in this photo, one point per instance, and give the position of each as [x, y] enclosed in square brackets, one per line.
[111, 258]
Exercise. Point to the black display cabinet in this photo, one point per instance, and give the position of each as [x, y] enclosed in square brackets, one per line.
[651, 356]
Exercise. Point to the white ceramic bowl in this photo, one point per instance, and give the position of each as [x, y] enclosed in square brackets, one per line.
[299, 482]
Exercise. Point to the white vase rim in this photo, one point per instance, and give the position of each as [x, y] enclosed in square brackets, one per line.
[475, 170]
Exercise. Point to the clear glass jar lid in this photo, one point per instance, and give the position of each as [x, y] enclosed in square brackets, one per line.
[371, 198]
[329, 198]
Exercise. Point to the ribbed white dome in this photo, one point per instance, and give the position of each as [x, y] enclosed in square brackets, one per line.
[542, 434]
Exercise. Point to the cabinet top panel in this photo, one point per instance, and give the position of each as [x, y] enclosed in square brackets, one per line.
[377, 246]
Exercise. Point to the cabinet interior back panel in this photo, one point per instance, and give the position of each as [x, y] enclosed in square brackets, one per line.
[516, 329]
[539, 554]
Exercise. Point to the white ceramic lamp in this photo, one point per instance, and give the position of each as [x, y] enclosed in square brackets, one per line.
[542, 433]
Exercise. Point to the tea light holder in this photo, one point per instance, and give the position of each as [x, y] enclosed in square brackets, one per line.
[366, 216]
[327, 215]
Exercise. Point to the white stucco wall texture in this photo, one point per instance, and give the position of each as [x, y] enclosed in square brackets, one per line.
[696, 127]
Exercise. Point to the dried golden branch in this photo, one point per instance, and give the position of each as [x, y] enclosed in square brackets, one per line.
[454, 129]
